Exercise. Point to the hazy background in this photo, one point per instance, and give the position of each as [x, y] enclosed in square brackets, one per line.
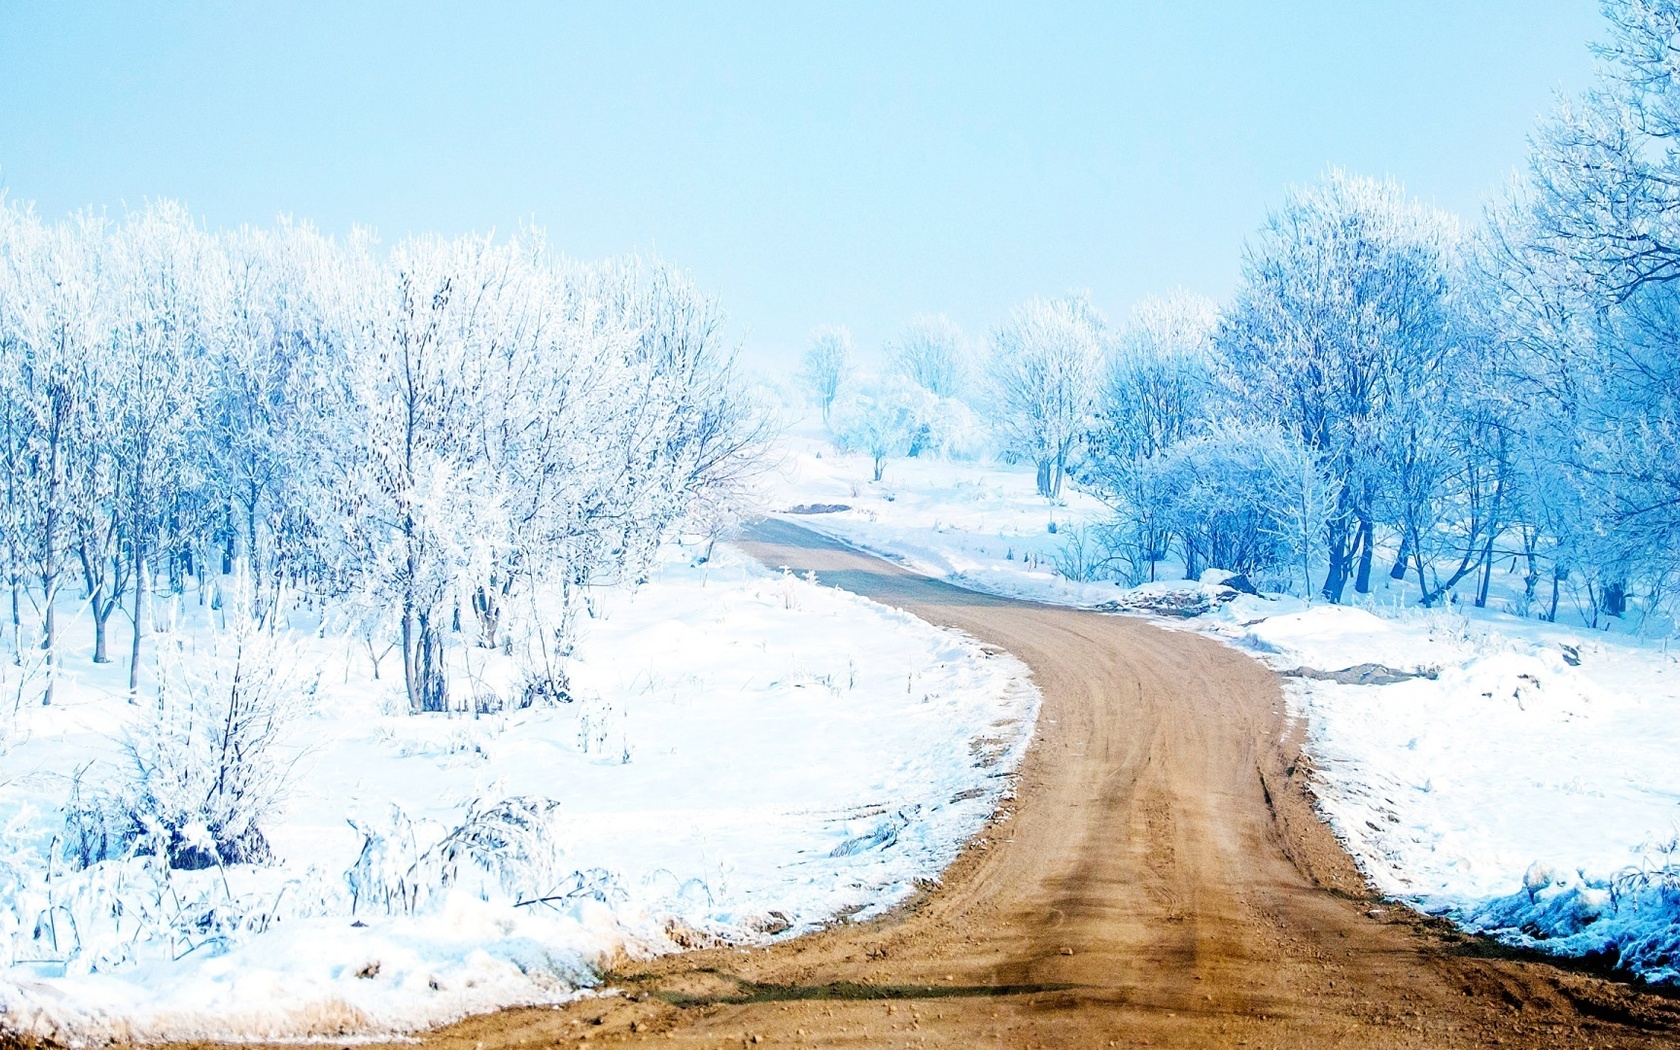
[850, 164]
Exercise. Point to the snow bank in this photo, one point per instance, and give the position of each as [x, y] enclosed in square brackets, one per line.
[749, 755]
[1526, 785]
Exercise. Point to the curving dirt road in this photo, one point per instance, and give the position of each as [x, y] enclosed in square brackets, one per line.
[1160, 881]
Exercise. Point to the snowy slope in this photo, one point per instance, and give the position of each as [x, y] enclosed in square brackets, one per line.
[749, 755]
[1527, 786]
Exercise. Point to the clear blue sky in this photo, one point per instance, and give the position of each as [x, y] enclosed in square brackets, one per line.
[843, 163]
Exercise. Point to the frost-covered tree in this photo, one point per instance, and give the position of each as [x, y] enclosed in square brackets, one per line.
[1586, 425]
[163, 284]
[98, 510]
[273, 387]
[827, 366]
[699, 427]
[931, 353]
[1240, 497]
[1045, 367]
[1605, 167]
[1342, 320]
[1159, 388]
[619, 417]
[884, 420]
[55, 327]
[1230, 497]
[1159, 385]
[413, 486]
[1604, 212]
[17, 229]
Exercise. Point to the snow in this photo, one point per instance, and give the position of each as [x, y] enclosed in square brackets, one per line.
[749, 755]
[1526, 783]
[975, 524]
[1514, 791]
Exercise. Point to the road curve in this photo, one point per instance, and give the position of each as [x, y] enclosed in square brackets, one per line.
[1160, 880]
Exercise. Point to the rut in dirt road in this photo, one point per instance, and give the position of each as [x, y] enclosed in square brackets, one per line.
[1160, 879]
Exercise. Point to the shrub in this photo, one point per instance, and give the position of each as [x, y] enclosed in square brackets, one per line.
[207, 767]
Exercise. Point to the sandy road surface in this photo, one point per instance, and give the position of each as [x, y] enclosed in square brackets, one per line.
[1160, 881]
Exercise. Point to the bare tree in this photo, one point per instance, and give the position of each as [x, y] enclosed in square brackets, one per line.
[56, 314]
[931, 353]
[828, 364]
[163, 276]
[1341, 318]
[1045, 366]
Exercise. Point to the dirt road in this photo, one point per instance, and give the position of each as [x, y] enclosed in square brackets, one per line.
[1160, 881]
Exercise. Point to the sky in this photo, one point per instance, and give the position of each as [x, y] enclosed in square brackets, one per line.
[809, 164]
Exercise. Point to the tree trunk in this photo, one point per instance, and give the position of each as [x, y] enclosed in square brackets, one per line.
[1531, 581]
[47, 645]
[411, 683]
[1402, 559]
[1367, 543]
[1336, 576]
[49, 591]
[1044, 478]
[437, 695]
[1613, 599]
[423, 664]
[489, 614]
[172, 560]
[99, 620]
[252, 555]
[139, 623]
[1487, 575]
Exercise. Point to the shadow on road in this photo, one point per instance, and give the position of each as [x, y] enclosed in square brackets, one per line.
[781, 545]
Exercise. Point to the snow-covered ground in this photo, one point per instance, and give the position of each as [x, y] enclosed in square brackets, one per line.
[1527, 784]
[977, 524]
[749, 754]
[1519, 786]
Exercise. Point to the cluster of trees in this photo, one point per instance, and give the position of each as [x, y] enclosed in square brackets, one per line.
[1336, 408]
[1390, 389]
[919, 407]
[420, 436]
[1440, 397]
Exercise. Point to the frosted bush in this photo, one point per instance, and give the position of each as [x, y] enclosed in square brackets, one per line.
[1082, 557]
[208, 765]
[500, 850]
